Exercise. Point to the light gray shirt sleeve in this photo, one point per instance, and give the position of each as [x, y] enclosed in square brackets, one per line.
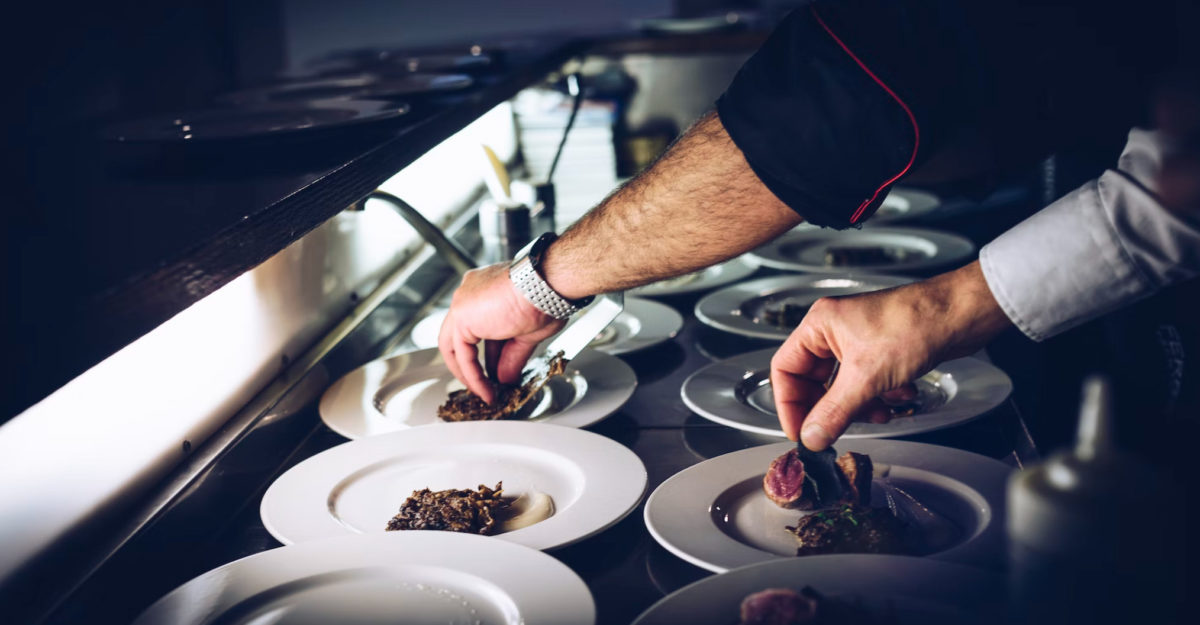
[1103, 246]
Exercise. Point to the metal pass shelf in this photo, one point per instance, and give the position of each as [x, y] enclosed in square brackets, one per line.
[217, 519]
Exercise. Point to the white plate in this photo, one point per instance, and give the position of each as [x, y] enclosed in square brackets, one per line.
[737, 392]
[804, 250]
[739, 308]
[261, 120]
[642, 324]
[434, 577]
[359, 87]
[711, 277]
[405, 391]
[688, 25]
[715, 515]
[357, 487]
[904, 203]
[913, 589]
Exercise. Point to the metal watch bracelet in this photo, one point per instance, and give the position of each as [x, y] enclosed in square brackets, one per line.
[529, 282]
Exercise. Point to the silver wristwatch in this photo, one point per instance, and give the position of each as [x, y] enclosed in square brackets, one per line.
[526, 276]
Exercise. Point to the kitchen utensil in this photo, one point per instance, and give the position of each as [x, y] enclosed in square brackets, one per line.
[571, 341]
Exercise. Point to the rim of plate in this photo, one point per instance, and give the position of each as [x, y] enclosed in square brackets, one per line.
[646, 323]
[717, 598]
[948, 248]
[722, 309]
[611, 479]
[154, 128]
[918, 201]
[710, 277]
[678, 512]
[712, 393]
[546, 592]
[348, 405]
[652, 323]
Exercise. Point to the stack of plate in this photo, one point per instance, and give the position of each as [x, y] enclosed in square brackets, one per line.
[587, 169]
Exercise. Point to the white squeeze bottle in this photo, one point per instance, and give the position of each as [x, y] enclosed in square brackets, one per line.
[1093, 532]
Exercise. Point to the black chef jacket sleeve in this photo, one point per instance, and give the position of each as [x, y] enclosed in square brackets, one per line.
[845, 98]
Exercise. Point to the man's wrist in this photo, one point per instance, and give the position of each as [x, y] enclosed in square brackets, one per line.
[528, 278]
[975, 313]
[562, 275]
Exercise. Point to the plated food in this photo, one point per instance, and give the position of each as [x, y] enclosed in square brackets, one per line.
[737, 392]
[553, 485]
[512, 401]
[406, 390]
[717, 275]
[770, 308]
[872, 250]
[483, 511]
[396, 577]
[717, 515]
[785, 606]
[850, 525]
[856, 589]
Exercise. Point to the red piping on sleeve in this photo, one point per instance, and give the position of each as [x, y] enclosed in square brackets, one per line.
[916, 129]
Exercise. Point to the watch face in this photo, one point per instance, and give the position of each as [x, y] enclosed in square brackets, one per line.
[537, 249]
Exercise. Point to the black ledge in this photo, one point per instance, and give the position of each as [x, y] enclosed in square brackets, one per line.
[117, 238]
[124, 236]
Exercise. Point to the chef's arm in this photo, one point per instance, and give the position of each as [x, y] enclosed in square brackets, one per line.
[1103, 246]
[1109, 243]
[699, 204]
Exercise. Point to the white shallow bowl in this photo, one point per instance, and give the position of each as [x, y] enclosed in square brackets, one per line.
[913, 590]
[715, 515]
[406, 578]
[804, 250]
[356, 487]
[738, 308]
[405, 391]
[902, 204]
[717, 275]
[737, 392]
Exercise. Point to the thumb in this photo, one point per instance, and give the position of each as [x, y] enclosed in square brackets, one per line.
[832, 414]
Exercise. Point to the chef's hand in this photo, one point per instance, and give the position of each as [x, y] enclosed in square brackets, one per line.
[486, 306]
[883, 340]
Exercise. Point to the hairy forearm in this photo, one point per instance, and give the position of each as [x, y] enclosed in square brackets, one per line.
[698, 205]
